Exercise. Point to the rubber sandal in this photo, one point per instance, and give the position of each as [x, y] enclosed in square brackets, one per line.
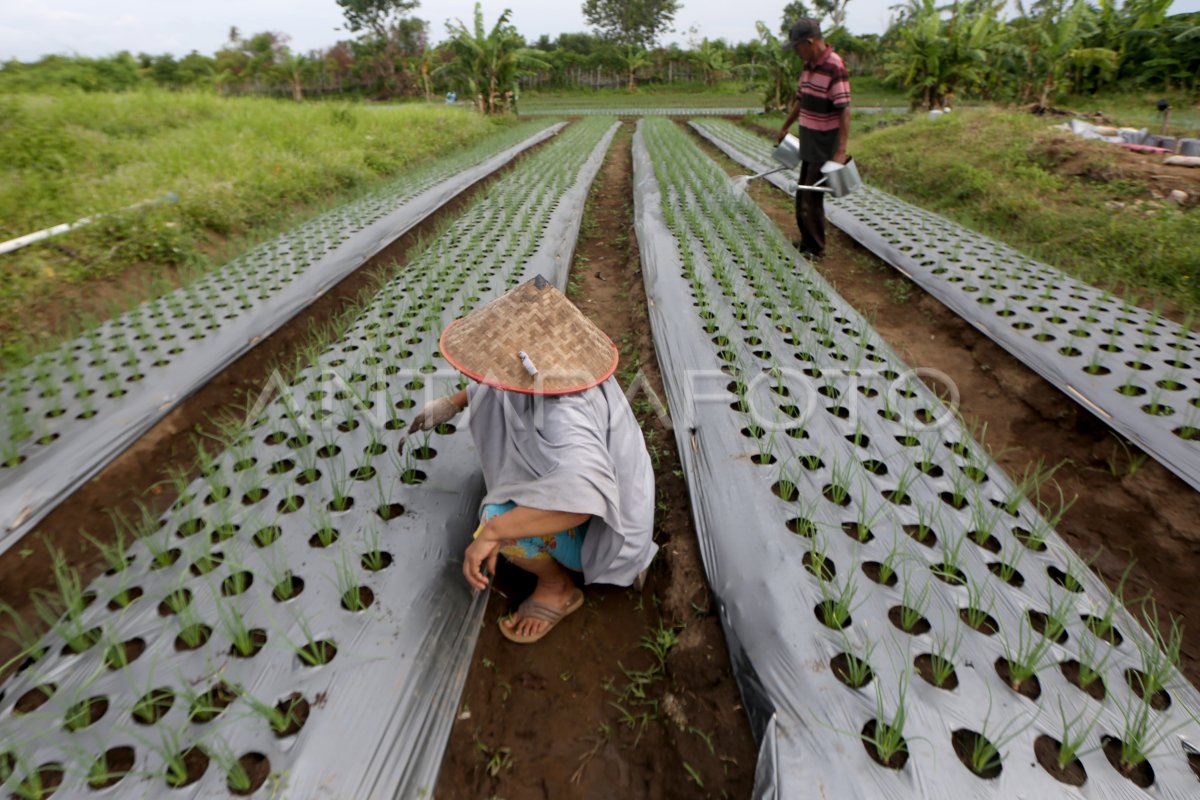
[532, 609]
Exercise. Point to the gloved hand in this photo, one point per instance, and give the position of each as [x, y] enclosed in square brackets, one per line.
[443, 409]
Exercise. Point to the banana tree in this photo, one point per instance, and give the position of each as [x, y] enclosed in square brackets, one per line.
[633, 59]
[781, 69]
[488, 61]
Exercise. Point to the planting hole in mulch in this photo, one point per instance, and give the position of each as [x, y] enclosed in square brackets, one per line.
[389, 511]
[979, 620]
[819, 565]
[1141, 774]
[929, 665]
[174, 602]
[376, 560]
[85, 713]
[357, 599]
[35, 698]
[875, 571]
[1194, 762]
[785, 490]
[1031, 687]
[125, 597]
[896, 760]
[985, 540]
[908, 620]
[324, 537]
[1007, 573]
[41, 783]
[120, 655]
[851, 670]
[193, 637]
[194, 763]
[110, 768]
[922, 534]
[153, 705]
[967, 743]
[251, 773]
[1064, 579]
[828, 614]
[947, 573]
[857, 532]
[1040, 621]
[802, 527]
[317, 653]
[1072, 670]
[256, 641]
[166, 558]
[1047, 750]
[206, 564]
[288, 588]
[1103, 630]
[838, 495]
[236, 583]
[294, 710]
[209, 705]
[1160, 700]
[83, 642]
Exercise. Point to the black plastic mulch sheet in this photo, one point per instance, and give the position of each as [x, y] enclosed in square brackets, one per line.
[822, 472]
[323, 541]
[179, 342]
[1135, 370]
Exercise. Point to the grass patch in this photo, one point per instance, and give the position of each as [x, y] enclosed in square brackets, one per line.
[1044, 192]
[238, 166]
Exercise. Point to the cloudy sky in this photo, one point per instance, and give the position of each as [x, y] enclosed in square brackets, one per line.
[32, 28]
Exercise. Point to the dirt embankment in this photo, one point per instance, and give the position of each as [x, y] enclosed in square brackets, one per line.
[593, 710]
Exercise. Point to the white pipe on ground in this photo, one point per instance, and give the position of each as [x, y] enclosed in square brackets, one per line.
[46, 233]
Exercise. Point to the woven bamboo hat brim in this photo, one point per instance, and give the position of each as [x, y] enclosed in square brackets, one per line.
[531, 340]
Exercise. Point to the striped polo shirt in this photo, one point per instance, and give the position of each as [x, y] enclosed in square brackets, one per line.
[823, 91]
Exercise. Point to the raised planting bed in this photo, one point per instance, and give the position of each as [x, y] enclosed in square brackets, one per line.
[1137, 371]
[76, 408]
[297, 624]
[902, 620]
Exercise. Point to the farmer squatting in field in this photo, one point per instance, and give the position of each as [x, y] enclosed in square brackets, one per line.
[822, 104]
[569, 482]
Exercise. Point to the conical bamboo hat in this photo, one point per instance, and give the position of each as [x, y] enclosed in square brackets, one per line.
[531, 340]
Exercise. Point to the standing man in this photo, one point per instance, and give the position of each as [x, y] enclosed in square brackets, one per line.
[822, 103]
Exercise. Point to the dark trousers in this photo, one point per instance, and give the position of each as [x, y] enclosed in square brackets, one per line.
[810, 210]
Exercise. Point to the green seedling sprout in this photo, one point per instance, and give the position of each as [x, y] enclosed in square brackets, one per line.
[1010, 558]
[1073, 732]
[888, 738]
[310, 652]
[1160, 652]
[904, 482]
[985, 754]
[1144, 731]
[1027, 655]
[347, 584]
[913, 604]
[280, 720]
[887, 567]
[62, 611]
[858, 664]
[836, 603]
[951, 564]
[980, 602]
[944, 652]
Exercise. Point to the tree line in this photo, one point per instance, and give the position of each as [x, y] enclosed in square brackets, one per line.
[935, 52]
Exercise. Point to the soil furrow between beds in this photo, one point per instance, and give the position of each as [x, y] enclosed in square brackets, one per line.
[592, 711]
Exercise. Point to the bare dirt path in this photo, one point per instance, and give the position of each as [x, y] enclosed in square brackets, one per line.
[632, 696]
[139, 475]
[1130, 510]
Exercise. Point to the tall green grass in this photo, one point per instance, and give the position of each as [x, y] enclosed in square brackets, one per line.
[237, 165]
[1045, 192]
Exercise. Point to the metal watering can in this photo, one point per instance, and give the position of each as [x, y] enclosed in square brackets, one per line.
[838, 179]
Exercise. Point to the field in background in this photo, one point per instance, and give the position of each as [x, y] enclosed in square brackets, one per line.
[1087, 207]
[241, 167]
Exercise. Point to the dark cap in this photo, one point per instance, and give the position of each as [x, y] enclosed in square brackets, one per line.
[804, 28]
